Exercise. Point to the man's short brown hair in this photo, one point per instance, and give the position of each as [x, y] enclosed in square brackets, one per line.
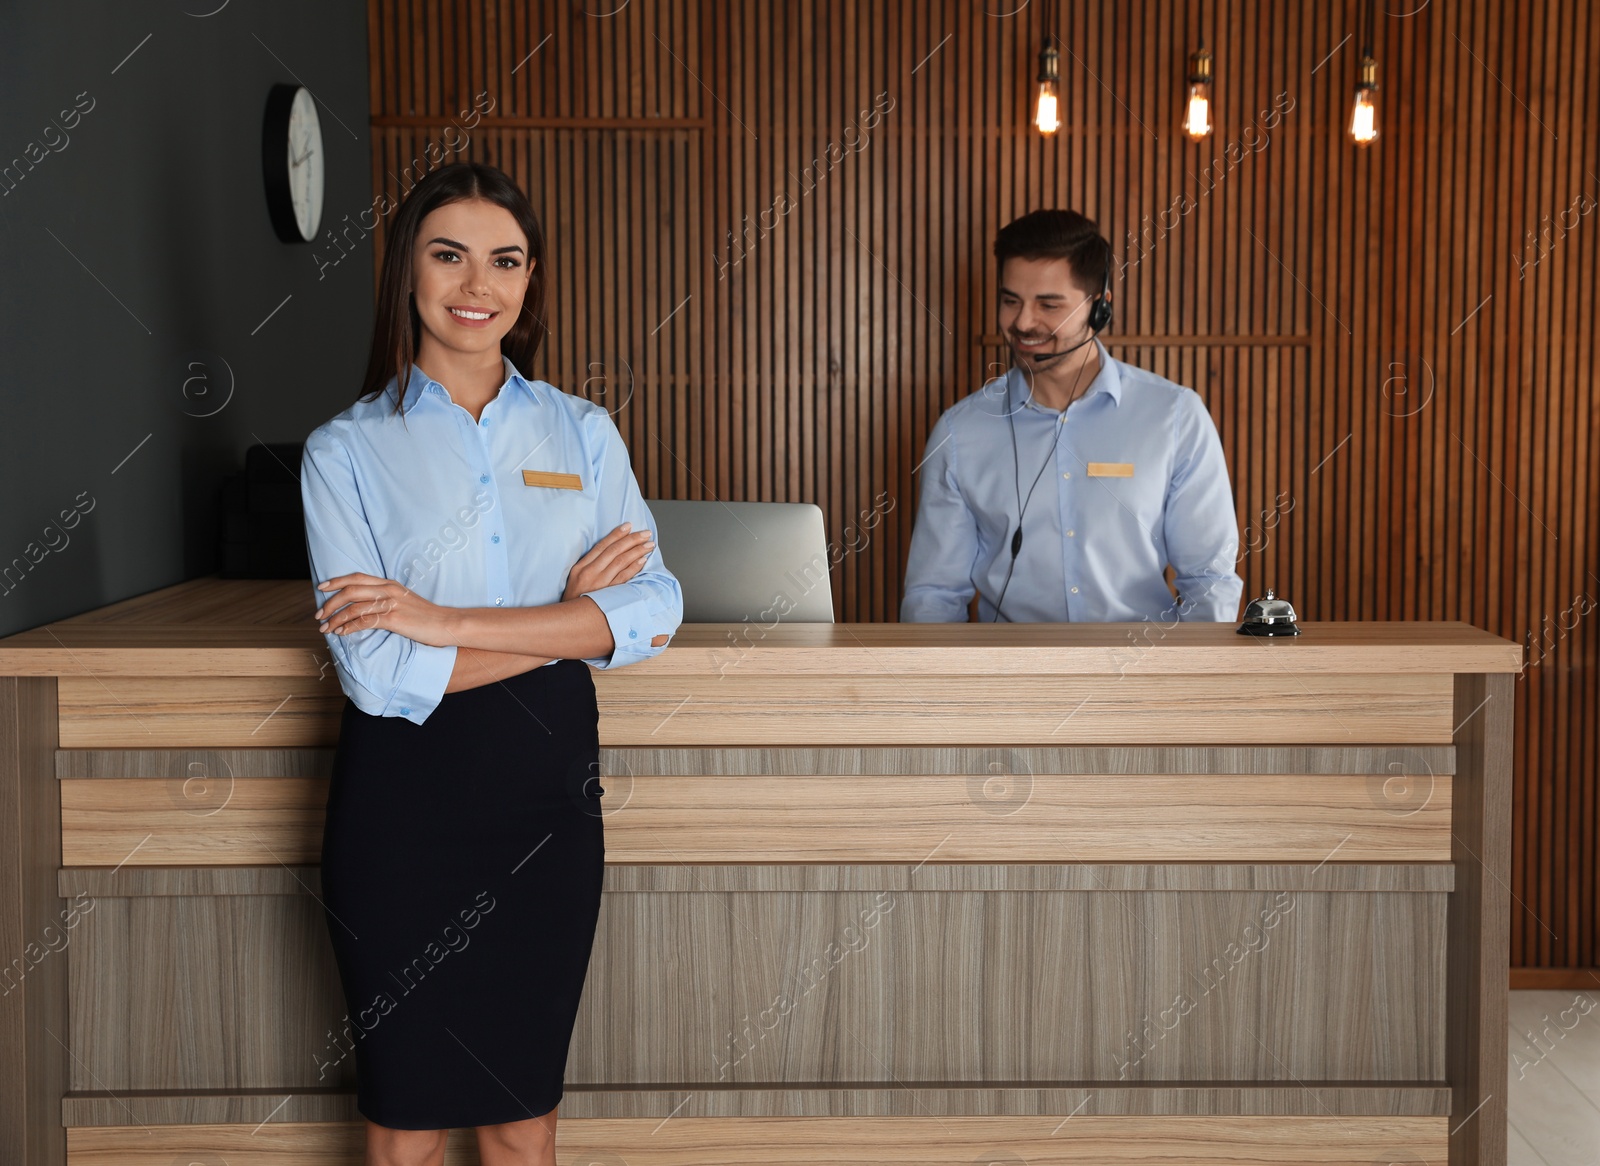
[1058, 234]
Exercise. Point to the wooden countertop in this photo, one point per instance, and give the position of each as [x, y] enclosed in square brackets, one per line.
[263, 627]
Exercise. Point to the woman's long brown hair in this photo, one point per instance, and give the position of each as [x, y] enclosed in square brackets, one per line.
[397, 328]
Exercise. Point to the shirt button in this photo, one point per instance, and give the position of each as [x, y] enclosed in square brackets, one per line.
[494, 538]
[1070, 534]
[633, 635]
[1074, 590]
[483, 477]
[499, 600]
[486, 421]
[1066, 475]
[405, 712]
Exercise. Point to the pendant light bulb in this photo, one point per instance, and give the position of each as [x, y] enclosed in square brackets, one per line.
[1364, 111]
[1197, 113]
[1046, 114]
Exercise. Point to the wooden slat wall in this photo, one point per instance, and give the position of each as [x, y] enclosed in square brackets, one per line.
[1401, 374]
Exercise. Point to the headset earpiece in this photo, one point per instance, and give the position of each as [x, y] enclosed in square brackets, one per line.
[1100, 310]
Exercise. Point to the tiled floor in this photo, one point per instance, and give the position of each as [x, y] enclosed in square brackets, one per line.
[1554, 1095]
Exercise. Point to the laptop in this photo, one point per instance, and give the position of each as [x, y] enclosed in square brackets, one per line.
[743, 562]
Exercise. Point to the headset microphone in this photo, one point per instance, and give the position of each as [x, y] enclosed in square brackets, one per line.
[1038, 360]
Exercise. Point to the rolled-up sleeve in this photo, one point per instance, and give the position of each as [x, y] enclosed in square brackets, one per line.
[651, 603]
[944, 539]
[1201, 532]
[384, 673]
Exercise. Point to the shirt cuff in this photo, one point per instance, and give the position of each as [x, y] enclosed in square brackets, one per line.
[1215, 598]
[631, 620]
[925, 612]
[422, 685]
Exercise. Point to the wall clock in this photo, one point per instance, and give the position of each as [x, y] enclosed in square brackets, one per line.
[292, 163]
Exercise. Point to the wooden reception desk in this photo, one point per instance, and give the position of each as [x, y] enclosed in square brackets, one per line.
[875, 893]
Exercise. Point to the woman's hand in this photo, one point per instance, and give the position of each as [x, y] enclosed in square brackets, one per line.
[616, 558]
[359, 602]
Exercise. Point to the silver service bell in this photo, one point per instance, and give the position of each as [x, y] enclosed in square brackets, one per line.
[1269, 617]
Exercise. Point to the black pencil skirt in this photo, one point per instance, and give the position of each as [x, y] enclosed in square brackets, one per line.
[461, 867]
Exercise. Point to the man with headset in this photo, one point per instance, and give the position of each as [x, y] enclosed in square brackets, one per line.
[1123, 469]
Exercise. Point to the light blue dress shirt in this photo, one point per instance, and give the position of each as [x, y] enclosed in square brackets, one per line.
[1136, 481]
[438, 502]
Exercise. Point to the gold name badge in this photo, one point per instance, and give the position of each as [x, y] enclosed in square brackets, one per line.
[1111, 469]
[549, 478]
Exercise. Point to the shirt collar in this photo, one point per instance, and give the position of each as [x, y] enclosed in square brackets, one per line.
[422, 383]
[1107, 380]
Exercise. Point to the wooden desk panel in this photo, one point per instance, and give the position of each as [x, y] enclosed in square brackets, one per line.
[987, 818]
[1319, 1140]
[711, 989]
[1027, 708]
[648, 709]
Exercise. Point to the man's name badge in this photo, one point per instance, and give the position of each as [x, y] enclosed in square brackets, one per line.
[570, 481]
[1111, 469]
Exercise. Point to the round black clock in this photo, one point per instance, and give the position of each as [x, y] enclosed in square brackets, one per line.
[292, 163]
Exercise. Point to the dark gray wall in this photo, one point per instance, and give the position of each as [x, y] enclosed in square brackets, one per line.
[140, 242]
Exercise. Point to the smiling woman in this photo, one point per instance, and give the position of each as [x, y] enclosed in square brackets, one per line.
[468, 749]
